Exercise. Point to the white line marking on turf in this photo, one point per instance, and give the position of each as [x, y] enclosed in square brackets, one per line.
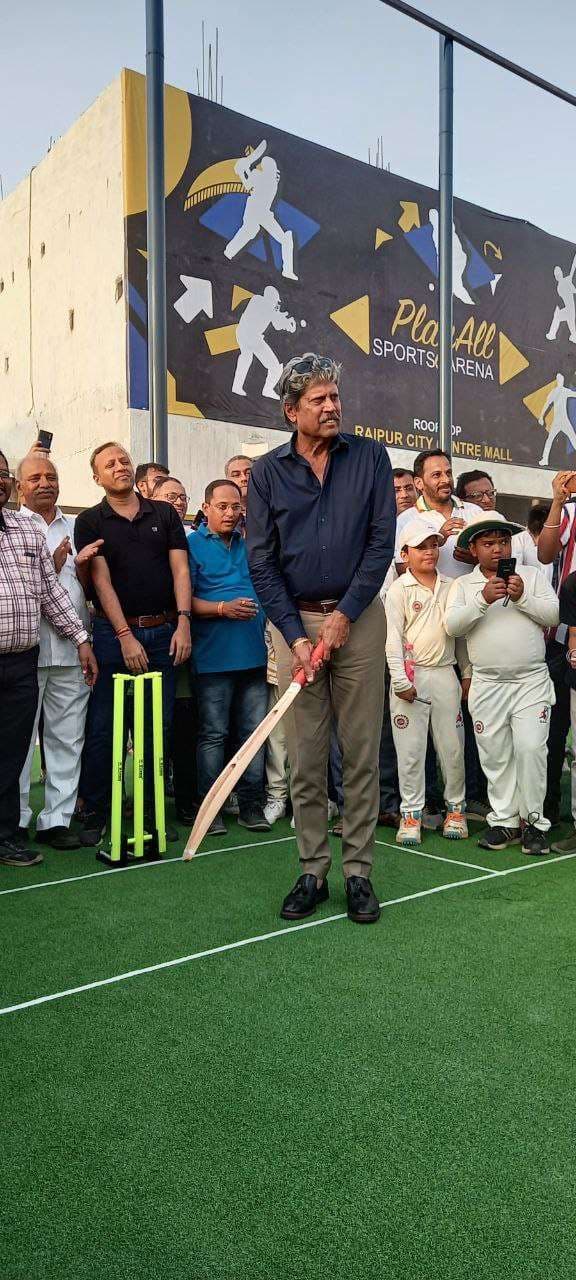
[437, 857]
[266, 937]
[138, 866]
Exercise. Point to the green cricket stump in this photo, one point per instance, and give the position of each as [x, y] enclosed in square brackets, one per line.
[142, 845]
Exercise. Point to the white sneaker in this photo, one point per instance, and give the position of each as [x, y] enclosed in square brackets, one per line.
[410, 830]
[273, 810]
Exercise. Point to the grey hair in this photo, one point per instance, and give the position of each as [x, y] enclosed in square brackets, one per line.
[28, 457]
[292, 384]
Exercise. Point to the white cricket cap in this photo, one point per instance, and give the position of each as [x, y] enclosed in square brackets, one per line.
[417, 532]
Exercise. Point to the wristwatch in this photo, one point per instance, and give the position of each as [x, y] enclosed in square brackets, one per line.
[185, 613]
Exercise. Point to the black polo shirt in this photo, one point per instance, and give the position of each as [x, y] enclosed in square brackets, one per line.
[136, 552]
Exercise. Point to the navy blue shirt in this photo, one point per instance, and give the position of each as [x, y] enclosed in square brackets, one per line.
[219, 571]
[320, 541]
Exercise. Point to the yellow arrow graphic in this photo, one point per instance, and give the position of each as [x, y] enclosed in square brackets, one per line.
[410, 216]
[488, 244]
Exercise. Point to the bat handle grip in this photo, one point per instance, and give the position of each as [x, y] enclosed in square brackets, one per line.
[317, 656]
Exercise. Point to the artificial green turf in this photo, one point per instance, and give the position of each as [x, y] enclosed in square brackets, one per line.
[388, 1102]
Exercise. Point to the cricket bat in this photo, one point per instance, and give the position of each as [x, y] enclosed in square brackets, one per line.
[225, 783]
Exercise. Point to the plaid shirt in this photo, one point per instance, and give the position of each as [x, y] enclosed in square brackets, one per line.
[29, 588]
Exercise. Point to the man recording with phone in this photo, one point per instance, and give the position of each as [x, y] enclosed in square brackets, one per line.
[503, 616]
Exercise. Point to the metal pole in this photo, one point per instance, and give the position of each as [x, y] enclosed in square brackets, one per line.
[483, 52]
[445, 191]
[156, 231]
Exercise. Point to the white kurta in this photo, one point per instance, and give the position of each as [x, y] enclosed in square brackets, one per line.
[62, 695]
[511, 692]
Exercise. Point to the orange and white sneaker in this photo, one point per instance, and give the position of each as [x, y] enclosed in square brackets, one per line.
[455, 825]
[410, 830]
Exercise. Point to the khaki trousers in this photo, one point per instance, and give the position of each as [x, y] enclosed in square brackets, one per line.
[276, 755]
[350, 689]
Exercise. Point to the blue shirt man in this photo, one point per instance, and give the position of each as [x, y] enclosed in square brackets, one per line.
[219, 572]
[229, 651]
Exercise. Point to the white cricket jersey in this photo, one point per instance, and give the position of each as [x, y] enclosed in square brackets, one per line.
[415, 629]
[503, 643]
[448, 567]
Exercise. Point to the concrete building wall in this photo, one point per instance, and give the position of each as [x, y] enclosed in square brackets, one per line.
[62, 307]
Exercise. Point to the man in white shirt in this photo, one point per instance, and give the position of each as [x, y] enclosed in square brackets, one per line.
[63, 695]
[438, 503]
[511, 694]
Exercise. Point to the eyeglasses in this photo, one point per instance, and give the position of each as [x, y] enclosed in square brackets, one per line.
[227, 506]
[6, 477]
[484, 493]
[175, 497]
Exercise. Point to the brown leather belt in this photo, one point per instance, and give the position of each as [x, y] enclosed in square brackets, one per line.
[147, 619]
[317, 606]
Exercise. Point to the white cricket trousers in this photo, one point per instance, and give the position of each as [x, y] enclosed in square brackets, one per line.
[64, 696]
[276, 755]
[511, 723]
[410, 724]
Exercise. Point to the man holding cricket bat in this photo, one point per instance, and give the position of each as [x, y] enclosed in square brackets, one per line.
[321, 525]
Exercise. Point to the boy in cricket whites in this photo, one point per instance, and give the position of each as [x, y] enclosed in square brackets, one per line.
[425, 691]
[503, 619]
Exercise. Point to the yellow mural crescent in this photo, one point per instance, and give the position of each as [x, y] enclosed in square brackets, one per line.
[177, 135]
[218, 180]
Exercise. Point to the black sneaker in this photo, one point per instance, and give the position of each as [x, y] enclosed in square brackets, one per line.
[535, 842]
[15, 854]
[363, 905]
[217, 826]
[253, 819]
[93, 830]
[499, 838]
[304, 898]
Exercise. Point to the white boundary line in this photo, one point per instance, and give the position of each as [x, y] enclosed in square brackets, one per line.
[266, 937]
[437, 857]
[230, 848]
[139, 866]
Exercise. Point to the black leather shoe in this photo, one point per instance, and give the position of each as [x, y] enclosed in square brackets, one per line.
[363, 907]
[58, 838]
[304, 898]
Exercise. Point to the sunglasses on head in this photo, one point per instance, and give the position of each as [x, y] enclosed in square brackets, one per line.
[307, 364]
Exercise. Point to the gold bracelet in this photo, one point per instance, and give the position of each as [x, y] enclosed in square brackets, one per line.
[301, 640]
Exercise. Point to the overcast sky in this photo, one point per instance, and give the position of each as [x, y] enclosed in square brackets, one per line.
[340, 72]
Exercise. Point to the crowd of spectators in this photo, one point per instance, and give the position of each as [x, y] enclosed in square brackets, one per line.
[477, 699]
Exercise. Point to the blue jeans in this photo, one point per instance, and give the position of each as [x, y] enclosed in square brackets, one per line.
[230, 705]
[96, 785]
